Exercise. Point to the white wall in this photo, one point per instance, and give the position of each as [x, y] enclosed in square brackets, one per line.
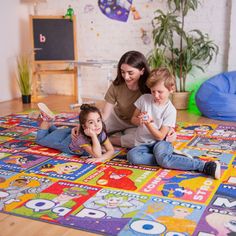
[14, 40]
[101, 38]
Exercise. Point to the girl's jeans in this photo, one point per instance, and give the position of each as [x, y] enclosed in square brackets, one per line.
[161, 153]
[53, 137]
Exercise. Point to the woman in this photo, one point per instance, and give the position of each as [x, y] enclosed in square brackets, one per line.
[129, 85]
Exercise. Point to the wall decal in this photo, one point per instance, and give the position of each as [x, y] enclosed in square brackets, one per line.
[116, 9]
[88, 8]
[146, 39]
[136, 15]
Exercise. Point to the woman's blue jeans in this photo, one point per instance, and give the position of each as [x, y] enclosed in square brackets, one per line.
[55, 138]
[161, 153]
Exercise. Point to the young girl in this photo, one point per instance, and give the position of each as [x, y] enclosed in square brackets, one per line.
[155, 115]
[91, 141]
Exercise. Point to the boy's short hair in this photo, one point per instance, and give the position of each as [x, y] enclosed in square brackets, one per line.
[161, 74]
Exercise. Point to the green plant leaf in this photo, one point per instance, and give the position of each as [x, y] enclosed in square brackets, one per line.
[178, 49]
[24, 75]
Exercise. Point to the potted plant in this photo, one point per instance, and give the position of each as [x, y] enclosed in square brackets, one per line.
[178, 49]
[24, 77]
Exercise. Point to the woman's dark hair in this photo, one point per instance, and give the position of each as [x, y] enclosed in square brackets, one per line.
[138, 61]
[85, 109]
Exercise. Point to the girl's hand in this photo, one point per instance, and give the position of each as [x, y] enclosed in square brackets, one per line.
[74, 133]
[89, 132]
[94, 160]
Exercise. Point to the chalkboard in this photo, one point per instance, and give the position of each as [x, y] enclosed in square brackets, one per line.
[54, 38]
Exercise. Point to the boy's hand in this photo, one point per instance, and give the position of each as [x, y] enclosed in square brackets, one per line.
[145, 118]
[171, 136]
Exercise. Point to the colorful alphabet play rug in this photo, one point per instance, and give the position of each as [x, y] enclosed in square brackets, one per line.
[116, 198]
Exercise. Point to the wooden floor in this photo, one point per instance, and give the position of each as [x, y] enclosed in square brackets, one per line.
[12, 225]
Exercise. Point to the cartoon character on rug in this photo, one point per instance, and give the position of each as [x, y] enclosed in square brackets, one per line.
[211, 155]
[114, 205]
[17, 144]
[69, 194]
[18, 188]
[179, 222]
[172, 185]
[11, 122]
[152, 209]
[225, 132]
[20, 160]
[117, 178]
[188, 131]
[213, 143]
[226, 223]
[198, 129]
[64, 168]
[50, 206]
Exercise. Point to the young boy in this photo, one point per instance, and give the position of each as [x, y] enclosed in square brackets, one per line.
[155, 115]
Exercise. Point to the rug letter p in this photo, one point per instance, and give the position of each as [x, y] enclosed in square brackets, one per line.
[90, 213]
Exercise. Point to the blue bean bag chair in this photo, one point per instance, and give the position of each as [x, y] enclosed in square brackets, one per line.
[216, 97]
